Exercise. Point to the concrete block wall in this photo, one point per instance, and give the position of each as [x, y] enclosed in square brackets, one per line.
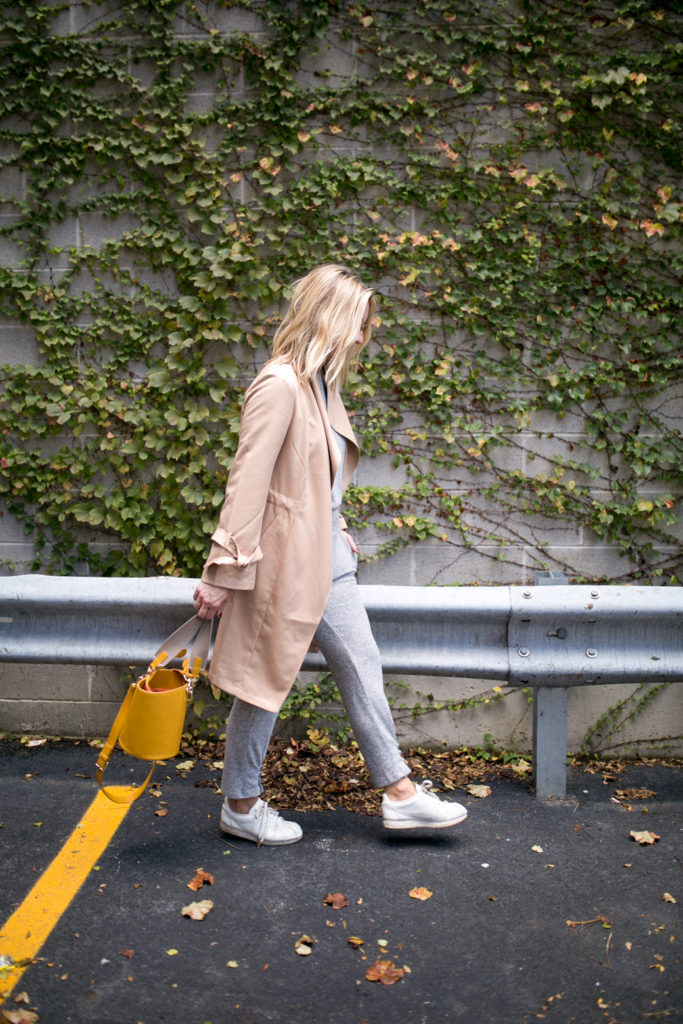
[81, 701]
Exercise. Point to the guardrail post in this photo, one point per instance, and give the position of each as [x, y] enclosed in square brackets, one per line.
[550, 723]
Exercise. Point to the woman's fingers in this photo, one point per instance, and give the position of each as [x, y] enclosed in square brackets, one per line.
[351, 542]
[210, 601]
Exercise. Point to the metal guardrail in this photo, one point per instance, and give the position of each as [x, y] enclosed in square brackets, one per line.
[545, 638]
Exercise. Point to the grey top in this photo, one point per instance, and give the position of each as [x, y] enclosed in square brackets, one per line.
[341, 444]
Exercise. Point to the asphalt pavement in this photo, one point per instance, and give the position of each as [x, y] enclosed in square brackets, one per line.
[538, 912]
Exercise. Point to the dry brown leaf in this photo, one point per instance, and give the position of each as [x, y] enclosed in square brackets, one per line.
[636, 794]
[645, 838]
[355, 942]
[478, 790]
[162, 812]
[668, 898]
[336, 900]
[304, 945]
[197, 911]
[385, 972]
[202, 877]
[420, 893]
[19, 1016]
[128, 953]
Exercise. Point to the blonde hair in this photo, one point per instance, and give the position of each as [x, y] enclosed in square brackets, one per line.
[322, 323]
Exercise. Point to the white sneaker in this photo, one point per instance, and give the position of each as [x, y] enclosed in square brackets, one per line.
[262, 825]
[423, 810]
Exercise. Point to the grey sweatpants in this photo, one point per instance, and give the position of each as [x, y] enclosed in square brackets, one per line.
[345, 638]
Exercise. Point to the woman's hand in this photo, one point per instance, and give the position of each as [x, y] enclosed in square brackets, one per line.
[210, 600]
[351, 542]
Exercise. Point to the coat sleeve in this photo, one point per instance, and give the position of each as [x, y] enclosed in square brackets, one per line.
[266, 415]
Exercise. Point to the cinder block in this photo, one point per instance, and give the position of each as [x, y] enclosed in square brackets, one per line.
[45, 684]
[11, 252]
[331, 64]
[542, 453]
[12, 181]
[12, 530]
[657, 727]
[590, 562]
[68, 719]
[18, 346]
[225, 19]
[424, 564]
[16, 559]
[96, 229]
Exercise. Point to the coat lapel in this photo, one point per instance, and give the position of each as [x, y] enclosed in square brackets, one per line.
[334, 415]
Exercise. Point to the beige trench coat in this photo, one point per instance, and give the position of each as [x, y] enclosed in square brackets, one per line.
[273, 543]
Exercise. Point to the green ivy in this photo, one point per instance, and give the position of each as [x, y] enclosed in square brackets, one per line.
[509, 176]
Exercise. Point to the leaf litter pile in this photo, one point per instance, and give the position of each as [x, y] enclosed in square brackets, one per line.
[318, 773]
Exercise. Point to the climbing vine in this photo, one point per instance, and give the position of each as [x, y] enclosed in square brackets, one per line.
[506, 174]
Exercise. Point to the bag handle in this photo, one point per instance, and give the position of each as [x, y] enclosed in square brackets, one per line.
[195, 633]
[193, 637]
[106, 752]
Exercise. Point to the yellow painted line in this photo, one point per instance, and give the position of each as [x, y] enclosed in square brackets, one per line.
[23, 935]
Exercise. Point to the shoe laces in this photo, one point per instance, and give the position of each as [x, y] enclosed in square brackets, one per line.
[426, 788]
[268, 816]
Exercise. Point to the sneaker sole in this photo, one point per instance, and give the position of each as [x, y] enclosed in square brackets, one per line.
[255, 839]
[414, 823]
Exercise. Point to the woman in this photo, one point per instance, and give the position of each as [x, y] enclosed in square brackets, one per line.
[281, 570]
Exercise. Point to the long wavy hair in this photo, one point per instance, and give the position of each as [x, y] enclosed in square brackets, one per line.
[325, 316]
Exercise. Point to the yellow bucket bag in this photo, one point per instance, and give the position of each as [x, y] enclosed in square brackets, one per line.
[150, 722]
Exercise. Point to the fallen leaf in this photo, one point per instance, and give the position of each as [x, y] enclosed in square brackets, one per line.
[19, 1016]
[355, 942]
[475, 789]
[636, 794]
[537, 849]
[202, 877]
[232, 963]
[197, 911]
[668, 898]
[645, 838]
[385, 972]
[420, 893]
[162, 812]
[171, 952]
[128, 953]
[304, 945]
[185, 766]
[22, 997]
[336, 900]
[522, 767]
